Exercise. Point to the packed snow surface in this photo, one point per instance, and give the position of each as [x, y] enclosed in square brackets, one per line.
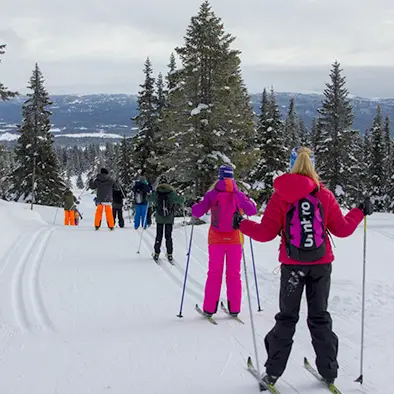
[82, 313]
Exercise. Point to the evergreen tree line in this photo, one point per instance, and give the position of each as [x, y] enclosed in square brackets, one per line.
[199, 116]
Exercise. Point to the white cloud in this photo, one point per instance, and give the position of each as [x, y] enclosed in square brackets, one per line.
[96, 45]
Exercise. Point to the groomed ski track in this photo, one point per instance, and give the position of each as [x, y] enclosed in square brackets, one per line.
[82, 312]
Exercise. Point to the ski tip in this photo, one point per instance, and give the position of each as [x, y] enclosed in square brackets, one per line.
[262, 388]
[221, 303]
[306, 361]
[249, 362]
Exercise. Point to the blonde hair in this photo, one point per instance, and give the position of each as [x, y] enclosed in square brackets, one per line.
[304, 165]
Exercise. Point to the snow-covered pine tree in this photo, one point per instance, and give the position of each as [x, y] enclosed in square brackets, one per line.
[355, 168]
[160, 94]
[170, 125]
[5, 94]
[389, 169]
[80, 184]
[292, 127]
[314, 134]
[331, 136]
[5, 171]
[110, 159]
[143, 143]
[214, 118]
[377, 165]
[305, 135]
[125, 174]
[171, 78]
[36, 160]
[273, 160]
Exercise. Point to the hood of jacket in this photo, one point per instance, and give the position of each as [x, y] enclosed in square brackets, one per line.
[164, 188]
[292, 187]
[226, 185]
[103, 177]
[68, 193]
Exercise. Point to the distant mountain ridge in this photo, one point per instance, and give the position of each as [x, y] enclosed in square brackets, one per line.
[81, 119]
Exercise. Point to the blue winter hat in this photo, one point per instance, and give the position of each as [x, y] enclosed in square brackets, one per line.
[226, 171]
[294, 155]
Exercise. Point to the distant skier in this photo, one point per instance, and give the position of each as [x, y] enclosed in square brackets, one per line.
[69, 204]
[141, 189]
[224, 243]
[117, 207]
[164, 200]
[104, 185]
[302, 210]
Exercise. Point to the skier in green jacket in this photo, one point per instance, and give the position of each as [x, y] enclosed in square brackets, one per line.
[163, 200]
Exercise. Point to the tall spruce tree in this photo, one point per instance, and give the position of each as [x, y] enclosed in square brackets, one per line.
[209, 119]
[377, 170]
[271, 144]
[292, 127]
[332, 142]
[37, 177]
[389, 169]
[143, 143]
[5, 94]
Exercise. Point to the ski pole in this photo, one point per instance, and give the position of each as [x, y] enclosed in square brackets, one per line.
[184, 221]
[187, 269]
[360, 379]
[250, 306]
[255, 276]
[143, 227]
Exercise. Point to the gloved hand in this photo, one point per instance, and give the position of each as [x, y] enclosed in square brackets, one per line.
[237, 219]
[77, 202]
[366, 207]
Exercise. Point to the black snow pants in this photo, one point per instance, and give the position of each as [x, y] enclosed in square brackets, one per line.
[118, 212]
[278, 342]
[160, 229]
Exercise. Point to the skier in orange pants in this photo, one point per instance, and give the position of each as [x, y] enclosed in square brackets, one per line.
[69, 205]
[104, 185]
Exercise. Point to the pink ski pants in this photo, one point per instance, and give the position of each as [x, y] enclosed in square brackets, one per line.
[217, 254]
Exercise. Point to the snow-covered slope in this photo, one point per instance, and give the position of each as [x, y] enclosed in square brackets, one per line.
[81, 312]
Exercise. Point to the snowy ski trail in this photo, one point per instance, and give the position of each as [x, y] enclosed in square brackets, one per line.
[81, 312]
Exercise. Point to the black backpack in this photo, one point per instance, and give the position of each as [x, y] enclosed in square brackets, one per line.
[164, 207]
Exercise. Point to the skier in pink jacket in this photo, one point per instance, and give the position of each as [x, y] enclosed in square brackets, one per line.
[223, 241]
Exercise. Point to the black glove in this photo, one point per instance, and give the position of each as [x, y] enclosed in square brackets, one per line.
[366, 207]
[77, 202]
[237, 219]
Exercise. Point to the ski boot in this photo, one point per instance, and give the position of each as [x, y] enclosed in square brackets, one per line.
[269, 380]
[207, 314]
[329, 381]
[156, 257]
[170, 258]
[97, 228]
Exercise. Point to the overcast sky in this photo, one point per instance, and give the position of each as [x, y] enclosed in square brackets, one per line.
[91, 46]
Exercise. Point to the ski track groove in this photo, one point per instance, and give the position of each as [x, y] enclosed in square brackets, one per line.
[26, 278]
[37, 300]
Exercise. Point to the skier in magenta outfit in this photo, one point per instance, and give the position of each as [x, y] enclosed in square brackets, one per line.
[224, 243]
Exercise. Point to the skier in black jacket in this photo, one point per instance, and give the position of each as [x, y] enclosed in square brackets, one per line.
[117, 207]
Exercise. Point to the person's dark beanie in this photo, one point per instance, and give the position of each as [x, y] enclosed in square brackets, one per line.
[104, 171]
